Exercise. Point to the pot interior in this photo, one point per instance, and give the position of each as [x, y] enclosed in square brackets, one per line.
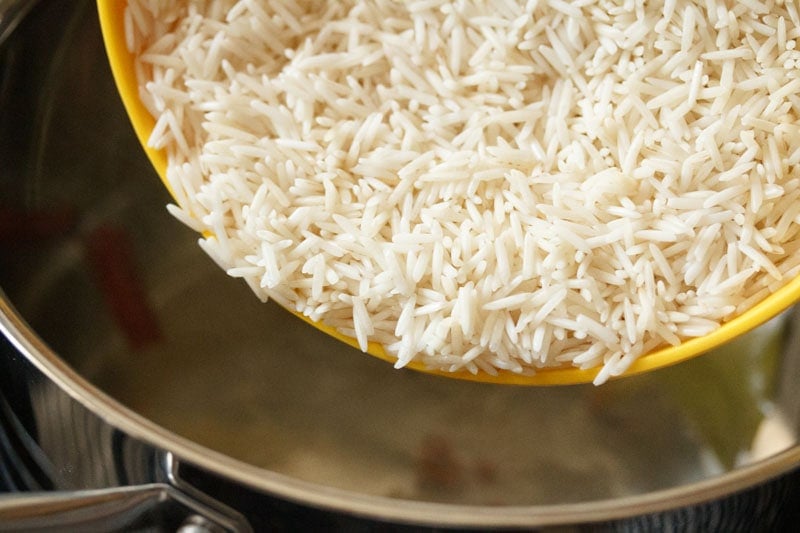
[123, 293]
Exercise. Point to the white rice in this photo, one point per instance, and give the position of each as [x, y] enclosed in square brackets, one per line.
[487, 186]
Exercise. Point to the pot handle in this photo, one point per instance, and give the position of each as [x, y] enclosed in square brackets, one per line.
[139, 507]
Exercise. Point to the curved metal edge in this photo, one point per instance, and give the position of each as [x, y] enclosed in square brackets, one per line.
[375, 507]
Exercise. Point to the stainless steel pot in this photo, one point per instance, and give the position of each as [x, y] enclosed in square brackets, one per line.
[139, 384]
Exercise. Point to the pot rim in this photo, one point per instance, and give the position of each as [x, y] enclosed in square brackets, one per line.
[35, 350]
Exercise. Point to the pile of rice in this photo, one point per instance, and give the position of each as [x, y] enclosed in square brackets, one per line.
[489, 186]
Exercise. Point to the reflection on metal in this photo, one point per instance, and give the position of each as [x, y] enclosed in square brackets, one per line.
[117, 509]
[72, 451]
[11, 14]
[774, 435]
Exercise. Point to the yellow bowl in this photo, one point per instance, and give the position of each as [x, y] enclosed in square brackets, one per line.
[122, 66]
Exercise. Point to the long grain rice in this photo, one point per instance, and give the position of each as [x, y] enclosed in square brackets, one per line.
[481, 185]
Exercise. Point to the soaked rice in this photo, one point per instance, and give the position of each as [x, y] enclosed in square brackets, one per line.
[489, 186]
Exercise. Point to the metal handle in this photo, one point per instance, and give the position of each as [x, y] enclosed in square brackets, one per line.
[149, 506]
